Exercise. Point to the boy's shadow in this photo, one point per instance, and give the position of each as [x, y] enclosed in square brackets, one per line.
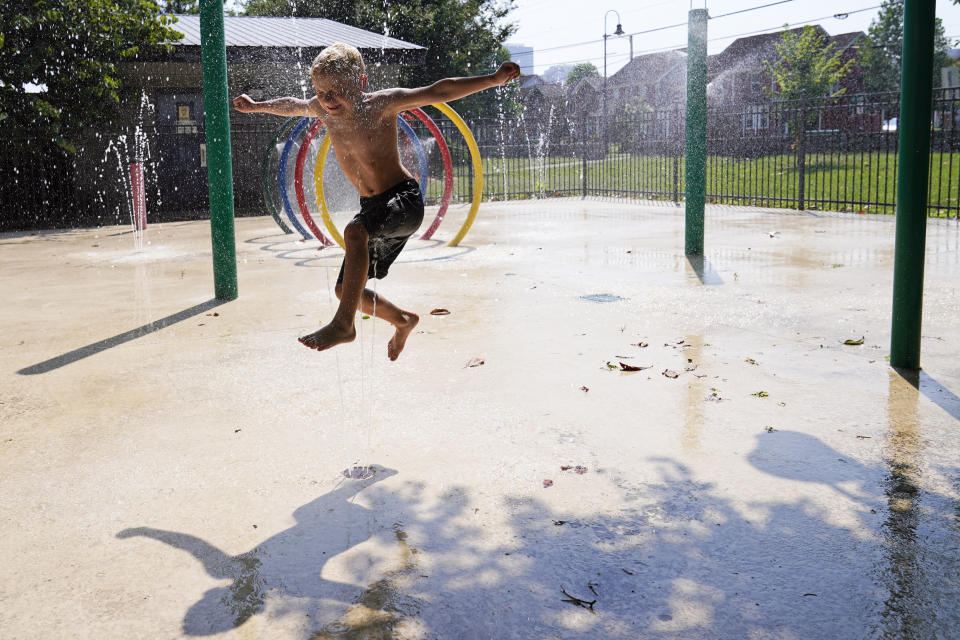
[290, 562]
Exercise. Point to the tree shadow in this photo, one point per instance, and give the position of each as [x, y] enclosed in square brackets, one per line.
[108, 343]
[673, 557]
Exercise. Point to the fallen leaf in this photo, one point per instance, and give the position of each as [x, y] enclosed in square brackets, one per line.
[584, 389]
[853, 342]
[565, 467]
[629, 367]
[440, 312]
[864, 437]
[750, 361]
[547, 483]
[670, 373]
[559, 522]
[214, 314]
[610, 365]
[628, 572]
[474, 362]
[690, 367]
[769, 429]
[639, 344]
[760, 394]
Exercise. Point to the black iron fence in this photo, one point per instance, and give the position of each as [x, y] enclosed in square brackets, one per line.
[836, 154]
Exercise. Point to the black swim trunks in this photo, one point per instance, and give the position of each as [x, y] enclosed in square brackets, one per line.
[390, 218]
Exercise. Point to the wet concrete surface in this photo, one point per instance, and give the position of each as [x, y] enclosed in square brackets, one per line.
[173, 466]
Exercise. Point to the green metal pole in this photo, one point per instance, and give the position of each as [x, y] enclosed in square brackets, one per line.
[696, 162]
[216, 105]
[916, 91]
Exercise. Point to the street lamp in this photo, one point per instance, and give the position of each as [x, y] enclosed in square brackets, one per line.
[618, 32]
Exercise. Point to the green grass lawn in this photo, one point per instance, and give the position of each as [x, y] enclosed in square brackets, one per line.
[833, 182]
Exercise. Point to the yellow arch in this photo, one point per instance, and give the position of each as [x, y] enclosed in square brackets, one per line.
[474, 158]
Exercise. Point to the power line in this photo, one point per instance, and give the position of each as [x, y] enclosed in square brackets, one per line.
[567, 46]
[678, 25]
[763, 6]
[830, 17]
[728, 37]
[610, 58]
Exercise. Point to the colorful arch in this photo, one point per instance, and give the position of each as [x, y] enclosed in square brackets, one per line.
[282, 177]
[448, 174]
[408, 131]
[275, 212]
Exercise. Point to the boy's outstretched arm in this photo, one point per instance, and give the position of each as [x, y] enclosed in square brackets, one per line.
[450, 88]
[278, 106]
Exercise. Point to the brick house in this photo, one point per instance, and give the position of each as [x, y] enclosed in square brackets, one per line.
[655, 81]
[737, 80]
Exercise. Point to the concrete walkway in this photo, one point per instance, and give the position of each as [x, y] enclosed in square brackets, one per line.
[172, 466]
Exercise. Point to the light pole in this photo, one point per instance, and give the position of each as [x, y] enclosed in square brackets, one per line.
[618, 32]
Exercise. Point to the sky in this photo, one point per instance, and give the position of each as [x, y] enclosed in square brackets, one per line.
[552, 26]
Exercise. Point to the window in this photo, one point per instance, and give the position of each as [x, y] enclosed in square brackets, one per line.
[857, 103]
[756, 118]
[663, 125]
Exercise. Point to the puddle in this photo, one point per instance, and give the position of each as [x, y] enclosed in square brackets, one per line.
[601, 297]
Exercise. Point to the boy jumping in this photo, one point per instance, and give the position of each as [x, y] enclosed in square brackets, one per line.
[363, 129]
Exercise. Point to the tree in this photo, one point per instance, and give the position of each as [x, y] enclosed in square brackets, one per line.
[883, 49]
[182, 6]
[581, 71]
[807, 65]
[462, 37]
[59, 71]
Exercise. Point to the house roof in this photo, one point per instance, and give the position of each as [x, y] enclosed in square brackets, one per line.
[844, 40]
[262, 36]
[529, 81]
[550, 91]
[750, 51]
[648, 68]
[593, 82]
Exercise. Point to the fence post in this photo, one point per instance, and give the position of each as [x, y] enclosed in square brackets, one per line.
[469, 179]
[913, 130]
[802, 155]
[696, 173]
[676, 176]
[216, 105]
[583, 154]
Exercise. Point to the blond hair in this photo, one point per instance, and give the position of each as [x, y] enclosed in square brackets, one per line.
[339, 59]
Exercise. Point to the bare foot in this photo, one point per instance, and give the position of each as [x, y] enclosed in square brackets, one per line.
[328, 336]
[399, 339]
